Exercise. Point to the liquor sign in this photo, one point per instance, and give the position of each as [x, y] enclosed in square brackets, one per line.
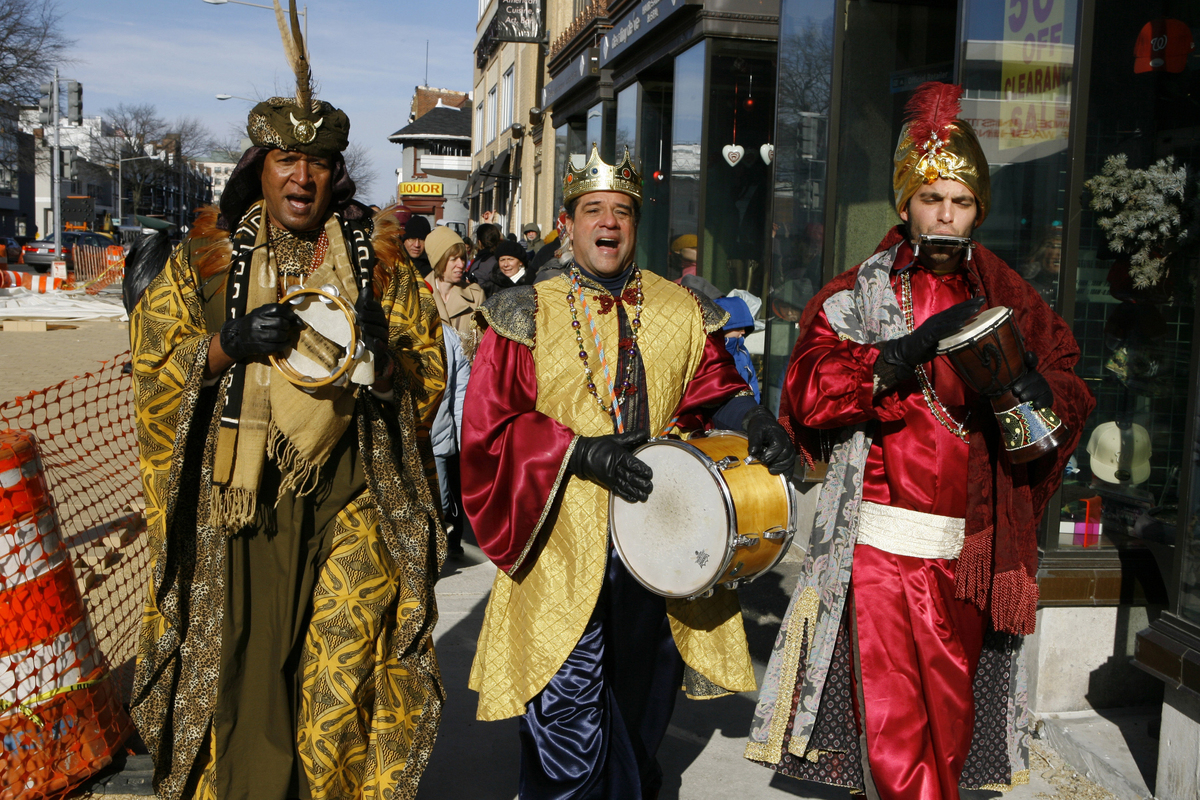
[411, 188]
[1035, 74]
[518, 21]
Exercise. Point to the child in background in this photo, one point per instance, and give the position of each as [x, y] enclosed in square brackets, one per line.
[741, 322]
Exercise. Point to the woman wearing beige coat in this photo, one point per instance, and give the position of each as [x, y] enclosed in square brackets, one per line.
[456, 298]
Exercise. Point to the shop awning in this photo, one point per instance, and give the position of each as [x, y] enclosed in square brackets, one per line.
[498, 166]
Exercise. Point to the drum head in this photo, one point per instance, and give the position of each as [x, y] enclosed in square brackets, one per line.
[984, 322]
[676, 542]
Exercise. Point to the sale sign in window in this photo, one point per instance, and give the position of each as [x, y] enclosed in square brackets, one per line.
[1035, 74]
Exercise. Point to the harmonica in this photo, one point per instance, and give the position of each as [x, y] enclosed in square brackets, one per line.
[958, 242]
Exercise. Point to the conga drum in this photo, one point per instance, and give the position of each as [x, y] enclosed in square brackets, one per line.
[989, 355]
[715, 516]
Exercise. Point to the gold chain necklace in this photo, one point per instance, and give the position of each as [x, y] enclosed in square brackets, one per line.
[939, 411]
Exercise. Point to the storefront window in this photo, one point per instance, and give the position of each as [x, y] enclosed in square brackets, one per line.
[1017, 64]
[883, 63]
[601, 128]
[568, 141]
[653, 159]
[1135, 327]
[626, 131]
[737, 198]
[686, 141]
[801, 163]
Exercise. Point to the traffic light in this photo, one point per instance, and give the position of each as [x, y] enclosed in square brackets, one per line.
[46, 104]
[75, 102]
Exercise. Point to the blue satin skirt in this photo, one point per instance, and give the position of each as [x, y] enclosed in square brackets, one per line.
[594, 731]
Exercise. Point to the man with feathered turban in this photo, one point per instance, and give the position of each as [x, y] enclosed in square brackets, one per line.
[286, 647]
[893, 669]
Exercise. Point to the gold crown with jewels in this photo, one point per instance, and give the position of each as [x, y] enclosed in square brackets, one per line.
[596, 176]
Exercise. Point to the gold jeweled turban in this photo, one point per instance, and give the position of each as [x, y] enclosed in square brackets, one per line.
[936, 144]
[596, 176]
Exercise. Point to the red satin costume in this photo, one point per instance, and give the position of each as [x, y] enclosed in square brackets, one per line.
[918, 645]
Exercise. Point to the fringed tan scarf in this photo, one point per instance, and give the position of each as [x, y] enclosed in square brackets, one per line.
[296, 428]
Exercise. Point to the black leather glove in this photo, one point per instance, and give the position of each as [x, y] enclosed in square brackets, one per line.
[769, 442]
[265, 330]
[1032, 387]
[373, 325]
[911, 351]
[606, 460]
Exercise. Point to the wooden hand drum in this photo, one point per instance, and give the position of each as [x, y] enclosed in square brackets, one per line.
[989, 355]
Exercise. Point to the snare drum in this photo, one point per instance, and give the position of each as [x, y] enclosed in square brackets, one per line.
[989, 355]
[714, 517]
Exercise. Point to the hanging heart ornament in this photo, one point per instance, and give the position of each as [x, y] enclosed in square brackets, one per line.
[733, 153]
[767, 151]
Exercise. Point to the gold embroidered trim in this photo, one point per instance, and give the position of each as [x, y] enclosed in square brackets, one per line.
[1019, 778]
[800, 627]
[562, 472]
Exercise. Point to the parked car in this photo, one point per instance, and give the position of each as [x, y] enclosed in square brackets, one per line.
[40, 254]
[12, 250]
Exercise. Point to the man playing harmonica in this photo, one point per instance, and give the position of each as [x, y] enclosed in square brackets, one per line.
[921, 574]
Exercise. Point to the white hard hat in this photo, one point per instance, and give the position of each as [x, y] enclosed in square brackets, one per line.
[1105, 449]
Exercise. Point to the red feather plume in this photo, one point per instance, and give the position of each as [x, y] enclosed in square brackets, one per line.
[932, 107]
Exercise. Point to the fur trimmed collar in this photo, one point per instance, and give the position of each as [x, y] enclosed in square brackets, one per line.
[211, 246]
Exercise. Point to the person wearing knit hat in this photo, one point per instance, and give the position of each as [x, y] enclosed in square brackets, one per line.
[921, 575]
[683, 256]
[455, 296]
[415, 231]
[574, 373]
[510, 269]
[286, 647]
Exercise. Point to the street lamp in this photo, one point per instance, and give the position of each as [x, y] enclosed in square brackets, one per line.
[303, 12]
[234, 96]
[120, 187]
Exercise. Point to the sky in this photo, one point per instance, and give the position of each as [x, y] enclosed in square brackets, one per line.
[366, 55]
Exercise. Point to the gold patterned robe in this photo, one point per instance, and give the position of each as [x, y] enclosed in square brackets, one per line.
[370, 693]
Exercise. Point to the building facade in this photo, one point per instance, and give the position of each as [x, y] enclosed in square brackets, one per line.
[435, 164]
[506, 137]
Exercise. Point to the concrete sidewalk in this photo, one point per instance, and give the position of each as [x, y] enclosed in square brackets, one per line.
[702, 753]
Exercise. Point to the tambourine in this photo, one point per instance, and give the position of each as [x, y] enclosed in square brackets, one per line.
[329, 349]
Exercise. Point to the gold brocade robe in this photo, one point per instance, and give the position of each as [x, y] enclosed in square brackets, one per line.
[391, 533]
[534, 620]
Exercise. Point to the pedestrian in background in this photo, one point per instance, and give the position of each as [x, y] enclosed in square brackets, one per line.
[415, 231]
[739, 326]
[531, 236]
[487, 236]
[509, 271]
[446, 437]
[456, 298]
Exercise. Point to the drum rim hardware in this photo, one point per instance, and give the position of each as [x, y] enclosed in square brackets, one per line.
[734, 542]
[330, 296]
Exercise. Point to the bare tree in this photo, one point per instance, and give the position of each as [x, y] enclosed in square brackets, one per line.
[153, 150]
[31, 45]
[360, 166]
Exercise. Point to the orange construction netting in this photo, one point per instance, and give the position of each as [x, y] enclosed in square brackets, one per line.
[73, 571]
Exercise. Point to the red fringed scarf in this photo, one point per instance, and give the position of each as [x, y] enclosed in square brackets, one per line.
[997, 570]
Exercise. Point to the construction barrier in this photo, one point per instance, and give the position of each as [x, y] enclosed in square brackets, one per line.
[73, 570]
[41, 283]
[98, 267]
[10, 279]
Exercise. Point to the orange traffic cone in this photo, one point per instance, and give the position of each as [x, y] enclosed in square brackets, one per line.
[61, 718]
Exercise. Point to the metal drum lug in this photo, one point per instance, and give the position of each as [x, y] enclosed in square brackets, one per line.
[775, 534]
[733, 584]
[728, 462]
[747, 540]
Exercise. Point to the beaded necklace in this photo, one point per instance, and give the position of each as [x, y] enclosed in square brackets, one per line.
[616, 398]
[931, 399]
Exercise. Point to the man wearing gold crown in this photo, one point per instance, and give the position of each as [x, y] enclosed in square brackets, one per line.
[573, 373]
[897, 667]
[286, 648]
